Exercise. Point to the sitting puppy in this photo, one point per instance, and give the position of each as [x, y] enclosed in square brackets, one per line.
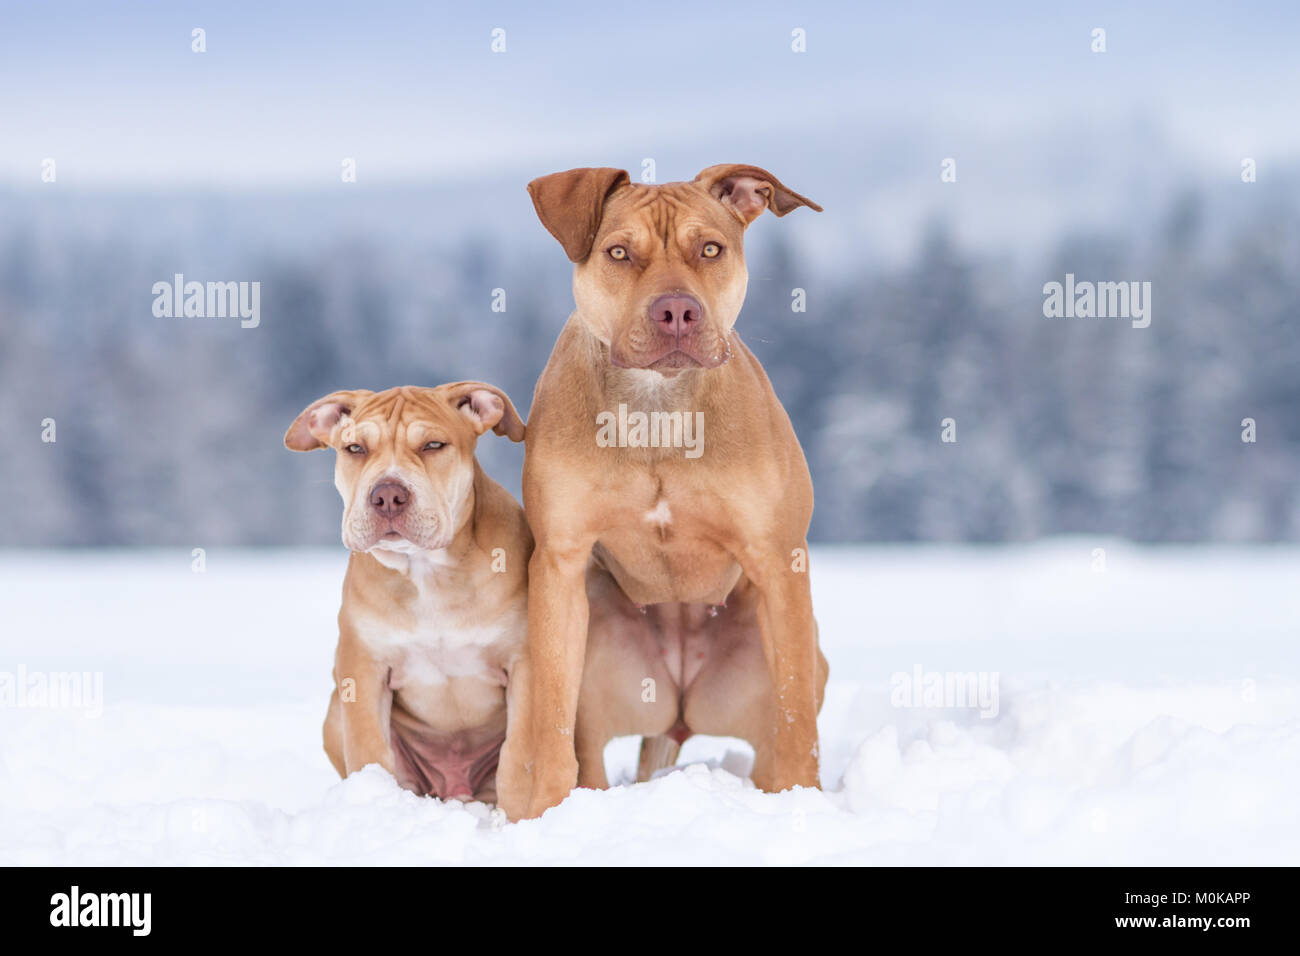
[435, 602]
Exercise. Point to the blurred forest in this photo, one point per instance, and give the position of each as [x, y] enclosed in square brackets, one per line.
[169, 430]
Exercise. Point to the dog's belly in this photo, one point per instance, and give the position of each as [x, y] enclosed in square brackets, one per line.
[679, 621]
[680, 645]
[448, 715]
[455, 766]
[685, 638]
[650, 570]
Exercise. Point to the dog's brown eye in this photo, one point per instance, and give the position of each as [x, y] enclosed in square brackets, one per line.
[355, 450]
[434, 445]
[617, 252]
[711, 250]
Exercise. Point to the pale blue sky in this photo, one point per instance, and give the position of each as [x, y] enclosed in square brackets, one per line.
[284, 91]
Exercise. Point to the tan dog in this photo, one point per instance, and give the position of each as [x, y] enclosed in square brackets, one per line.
[434, 616]
[669, 584]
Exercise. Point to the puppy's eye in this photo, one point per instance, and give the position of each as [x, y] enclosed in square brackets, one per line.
[711, 250]
[355, 450]
[618, 252]
[433, 445]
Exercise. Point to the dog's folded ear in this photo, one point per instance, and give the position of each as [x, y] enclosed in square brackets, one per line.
[486, 406]
[311, 429]
[748, 190]
[570, 205]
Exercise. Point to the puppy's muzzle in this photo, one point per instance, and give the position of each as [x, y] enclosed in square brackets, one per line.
[390, 499]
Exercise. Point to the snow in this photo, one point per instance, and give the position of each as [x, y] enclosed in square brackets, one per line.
[1145, 713]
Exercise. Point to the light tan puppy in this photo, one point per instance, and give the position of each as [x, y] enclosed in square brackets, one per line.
[434, 616]
[669, 587]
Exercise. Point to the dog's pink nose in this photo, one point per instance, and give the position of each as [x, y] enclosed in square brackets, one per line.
[389, 499]
[675, 314]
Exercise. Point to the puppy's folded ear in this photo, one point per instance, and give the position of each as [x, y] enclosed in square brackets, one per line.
[748, 190]
[570, 205]
[486, 406]
[311, 429]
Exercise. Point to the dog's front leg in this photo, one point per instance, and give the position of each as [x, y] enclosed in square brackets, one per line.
[789, 758]
[366, 701]
[557, 644]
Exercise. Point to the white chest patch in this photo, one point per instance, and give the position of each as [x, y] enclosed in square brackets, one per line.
[444, 645]
[434, 655]
[660, 515]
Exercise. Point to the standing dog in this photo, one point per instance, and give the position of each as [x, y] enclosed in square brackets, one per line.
[434, 616]
[669, 588]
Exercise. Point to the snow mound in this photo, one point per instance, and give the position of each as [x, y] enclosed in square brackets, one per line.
[1113, 741]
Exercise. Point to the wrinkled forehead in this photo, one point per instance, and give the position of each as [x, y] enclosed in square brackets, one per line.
[666, 209]
[399, 410]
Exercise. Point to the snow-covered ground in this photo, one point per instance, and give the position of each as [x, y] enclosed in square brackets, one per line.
[1147, 713]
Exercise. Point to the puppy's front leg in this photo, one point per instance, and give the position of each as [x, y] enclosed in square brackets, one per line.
[367, 703]
[514, 766]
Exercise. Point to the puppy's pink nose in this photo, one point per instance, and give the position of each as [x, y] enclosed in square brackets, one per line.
[675, 314]
[389, 499]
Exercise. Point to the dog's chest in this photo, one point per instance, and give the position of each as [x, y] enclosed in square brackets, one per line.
[665, 547]
[434, 654]
[447, 673]
[439, 640]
